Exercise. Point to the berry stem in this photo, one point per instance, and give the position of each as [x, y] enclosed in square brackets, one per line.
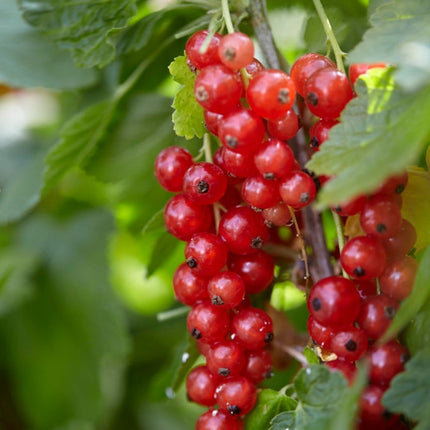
[330, 34]
[172, 313]
[340, 236]
[226, 15]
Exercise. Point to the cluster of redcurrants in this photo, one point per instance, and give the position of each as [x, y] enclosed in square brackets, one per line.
[228, 206]
[349, 316]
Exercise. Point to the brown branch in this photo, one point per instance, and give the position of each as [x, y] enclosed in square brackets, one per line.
[320, 266]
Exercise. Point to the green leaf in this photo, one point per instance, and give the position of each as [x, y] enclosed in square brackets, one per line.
[164, 245]
[18, 68]
[311, 356]
[21, 177]
[286, 296]
[382, 123]
[269, 404]
[87, 28]
[412, 305]
[79, 139]
[155, 223]
[188, 115]
[285, 420]
[409, 392]
[72, 327]
[400, 35]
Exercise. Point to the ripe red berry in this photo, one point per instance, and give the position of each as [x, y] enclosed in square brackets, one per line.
[226, 289]
[207, 58]
[183, 217]
[305, 66]
[201, 386]
[260, 193]
[274, 159]
[170, 166]
[386, 361]
[350, 207]
[206, 254]
[363, 257]
[236, 50]
[271, 93]
[297, 189]
[218, 89]
[256, 270]
[321, 334]
[394, 185]
[358, 69]
[204, 183]
[366, 288]
[236, 395]
[285, 127]
[376, 315]
[226, 358]
[349, 343]
[242, 131]
[334, 302]
[252, 328]
[215, 419]
[212, 120]
[189, 287]
[381, 217]
[327, 92]
[318, 133]
[239, 165]
[277, 215]
[402, 242]
[208, 323]
[258, 365]
[398, 278]
[243, 230]
[348, 369]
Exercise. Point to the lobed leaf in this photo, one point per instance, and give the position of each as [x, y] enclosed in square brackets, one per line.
[187, 117]
[382, 131]
[87, 28]
[399, 35]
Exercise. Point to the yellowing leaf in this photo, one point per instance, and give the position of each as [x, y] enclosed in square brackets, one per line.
[353, 227]
[416, 204]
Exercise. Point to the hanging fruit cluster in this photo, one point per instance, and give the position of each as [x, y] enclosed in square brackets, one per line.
[228, 208]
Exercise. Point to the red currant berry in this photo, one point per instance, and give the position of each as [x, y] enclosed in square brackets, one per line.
[236, 50]
[241, 131]
[350, 207]
[201, 386]
[334, 302]
[402, 242]
[216, 419]
[206, 254]
[376, 315]
[318, 133]
[218, 89]
[209, 57]
[363, 257]
[260, 193]
[398, 278]
[271, 93]
[366, 288]
[277, 215]
[170, 166]
[239, 165]
[208, 323]
[327, 92]
[189, 287]
[226, 358]
[256, 270]
[284, 128]
[319, 333]
[274, 159]
[349, 343]
[358, 69]
[297, 189]
[204, 183]
[305, 66]
[212, 120]
[348, 369]
[226, 289]
[243, 230]
[386, 361]
[183, 217]
[394, 185]
[236, 395]
[381, 217]
[252, 328]
[258, 365]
